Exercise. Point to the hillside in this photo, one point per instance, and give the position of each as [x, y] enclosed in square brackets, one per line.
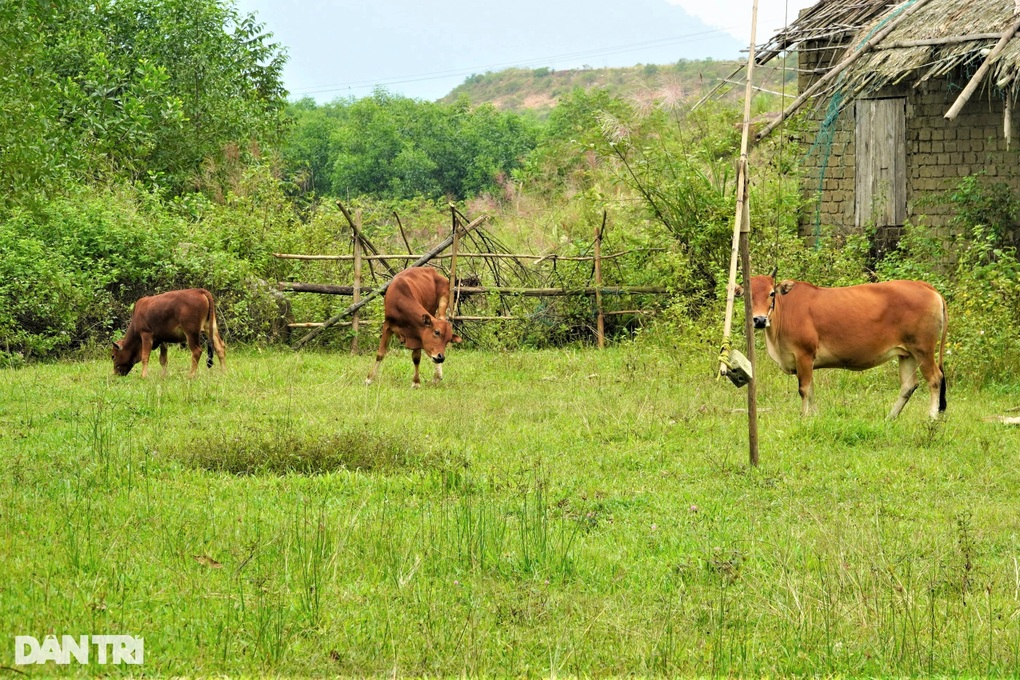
[538, 90]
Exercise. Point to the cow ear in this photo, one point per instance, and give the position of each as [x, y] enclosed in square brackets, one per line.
[456, 338]
[117, 346]
[786, 286]
[426, 320]
[738, 291]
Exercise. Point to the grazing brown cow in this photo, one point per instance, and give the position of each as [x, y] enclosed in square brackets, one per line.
[170, 318]
[415, 310]
[857, 327]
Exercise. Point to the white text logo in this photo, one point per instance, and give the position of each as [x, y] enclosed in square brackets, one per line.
[116, 649]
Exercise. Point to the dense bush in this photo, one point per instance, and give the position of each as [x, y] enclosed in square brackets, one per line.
[71, 268]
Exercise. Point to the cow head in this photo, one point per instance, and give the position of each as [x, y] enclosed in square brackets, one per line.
[763, 298]
[435, 334]
[123, 359]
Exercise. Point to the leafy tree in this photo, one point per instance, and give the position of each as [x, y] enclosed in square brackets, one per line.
[389, 146]
[140, 89]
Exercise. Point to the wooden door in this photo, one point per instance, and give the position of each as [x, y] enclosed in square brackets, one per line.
[881, 165]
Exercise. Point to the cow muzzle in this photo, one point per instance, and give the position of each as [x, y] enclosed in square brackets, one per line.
[761, 321]
[439, 358]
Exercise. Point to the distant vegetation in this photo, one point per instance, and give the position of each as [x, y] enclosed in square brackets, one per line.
[538, 91]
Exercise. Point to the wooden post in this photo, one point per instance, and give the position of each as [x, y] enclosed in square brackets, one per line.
[355, 325]
[601, 319]
[454, 281]
[752, 386]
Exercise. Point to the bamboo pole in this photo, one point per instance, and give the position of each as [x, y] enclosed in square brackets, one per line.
[965, 96]
[738, 221]
[752, 385]
[839, 68]
[453, 262]
[741, 229]
[382, 289]
[327, 289]
[355, 320]
[600, 322]
[494, 256]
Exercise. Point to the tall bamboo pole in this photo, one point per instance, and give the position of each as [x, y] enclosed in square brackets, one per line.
[740, 237]
[355, 321]
[600, 322]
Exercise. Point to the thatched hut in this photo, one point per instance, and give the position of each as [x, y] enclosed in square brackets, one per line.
[907, 98]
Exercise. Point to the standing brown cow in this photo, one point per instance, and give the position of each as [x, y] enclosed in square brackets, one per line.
[170, 318]
[857, 327]
[415, 310]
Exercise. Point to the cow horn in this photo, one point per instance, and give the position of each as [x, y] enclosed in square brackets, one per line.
[775, 271]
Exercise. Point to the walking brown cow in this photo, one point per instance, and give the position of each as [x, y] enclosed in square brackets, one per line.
[415, 310]
[175, 317]
[857, 327]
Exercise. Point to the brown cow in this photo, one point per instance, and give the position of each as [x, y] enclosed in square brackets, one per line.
[857, 327]
[170, 318]
[415, 310]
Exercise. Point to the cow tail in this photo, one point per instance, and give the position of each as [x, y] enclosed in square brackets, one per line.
[212, 331]
[942, 354]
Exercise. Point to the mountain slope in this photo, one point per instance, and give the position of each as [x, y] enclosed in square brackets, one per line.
[538, 90]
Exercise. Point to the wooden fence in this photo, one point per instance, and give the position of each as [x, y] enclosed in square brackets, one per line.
[363, 252]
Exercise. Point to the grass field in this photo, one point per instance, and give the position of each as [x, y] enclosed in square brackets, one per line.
[539, 513]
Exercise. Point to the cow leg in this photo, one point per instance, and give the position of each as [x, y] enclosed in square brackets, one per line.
[805, 382]
[220, 349]
[381, 354]
[162, 358]
[908, 383]
[416, 358]
[196, 352]
[934, 375]
[146, 350]
[439, 374]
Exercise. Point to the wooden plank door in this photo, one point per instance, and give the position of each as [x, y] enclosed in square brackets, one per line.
[881, 164]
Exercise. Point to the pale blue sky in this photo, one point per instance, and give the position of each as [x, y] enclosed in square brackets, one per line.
[425, 48]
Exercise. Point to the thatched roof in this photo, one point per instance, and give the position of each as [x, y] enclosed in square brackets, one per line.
[930, 40]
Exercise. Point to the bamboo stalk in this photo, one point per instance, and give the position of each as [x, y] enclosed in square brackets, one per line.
[965, 96]
[355, 326]
[839, 68]
[932, 42]
[600, 320]
[494, 256]
[328, 289]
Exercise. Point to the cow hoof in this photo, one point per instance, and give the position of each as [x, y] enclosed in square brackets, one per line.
[368, 381]
[415, 385]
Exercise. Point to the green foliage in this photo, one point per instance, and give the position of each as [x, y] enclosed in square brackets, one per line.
[135, 89]
[387, 146]
[994, 206]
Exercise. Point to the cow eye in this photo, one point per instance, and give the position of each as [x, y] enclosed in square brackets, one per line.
[436, 333]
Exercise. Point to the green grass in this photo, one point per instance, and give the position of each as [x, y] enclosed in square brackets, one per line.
[556, 512]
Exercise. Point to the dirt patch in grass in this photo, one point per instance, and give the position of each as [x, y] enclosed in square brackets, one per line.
[256, 452]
